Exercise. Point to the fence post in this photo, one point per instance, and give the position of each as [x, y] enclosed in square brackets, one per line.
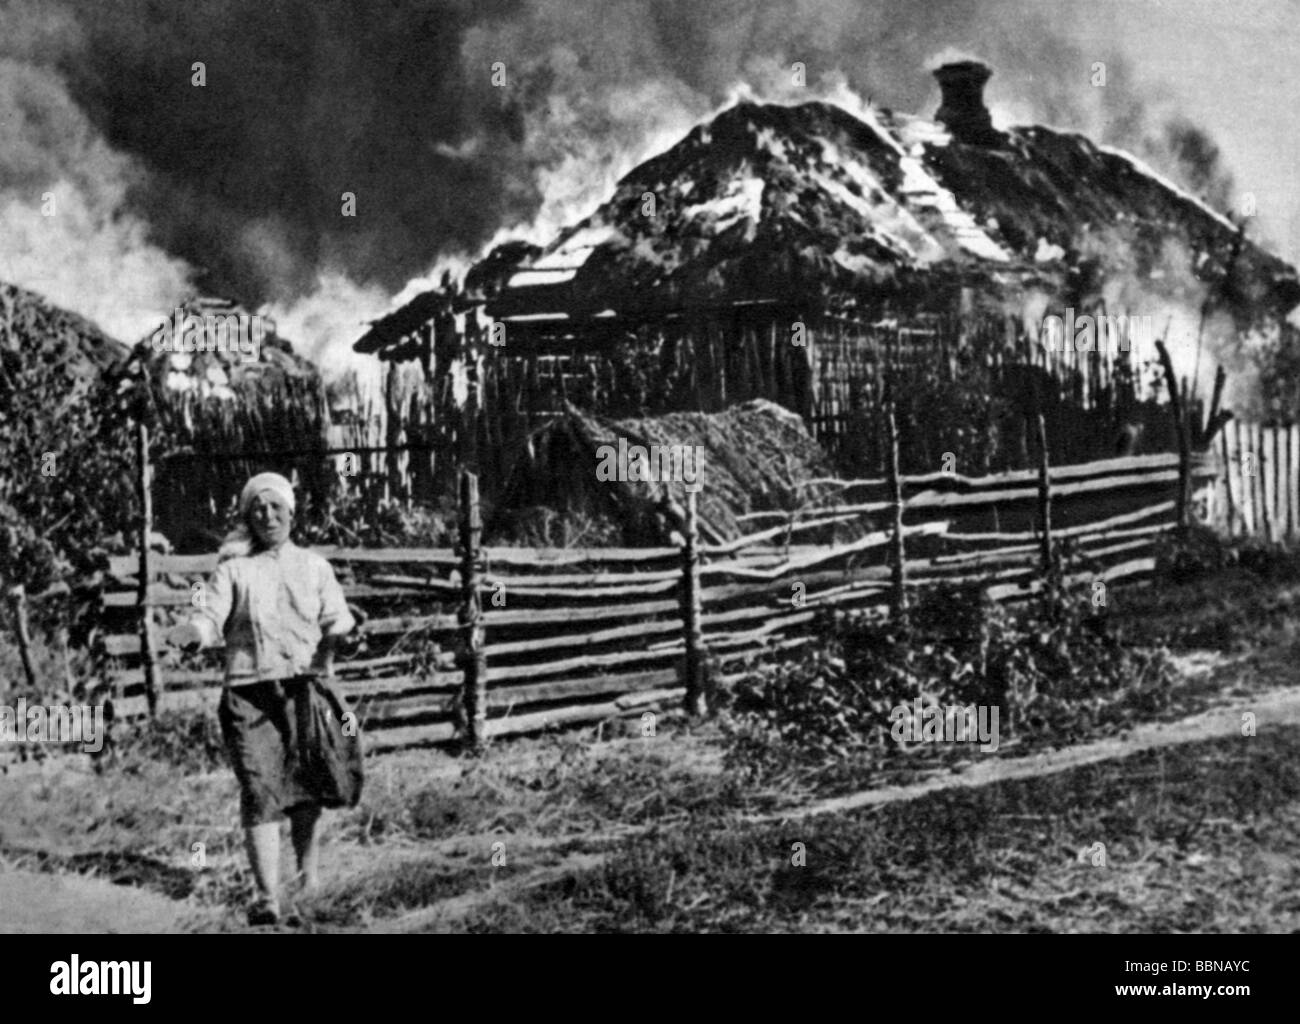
[897, 553]
[1181, 427]
[18, 605]
[1291, 482]
[1184, 476]
[1231, 525]
[1279, 515]
[1247, 481]
[694, 658]
[1044, 496]
[1279, 485]
[473, 653]
[1265, 464]
[148, 651]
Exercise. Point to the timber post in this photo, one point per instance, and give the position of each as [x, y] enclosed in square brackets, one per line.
[694, 659]
[473, 652]
[897, 552]
[18, 606]
[148, 646]
[1182, 428]
[1231, 525]
[1044, 497]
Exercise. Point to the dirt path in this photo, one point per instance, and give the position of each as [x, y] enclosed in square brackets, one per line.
[69, 903]
[77, 905]
[1277, 707]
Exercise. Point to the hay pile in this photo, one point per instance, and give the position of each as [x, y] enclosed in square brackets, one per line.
[754, 458]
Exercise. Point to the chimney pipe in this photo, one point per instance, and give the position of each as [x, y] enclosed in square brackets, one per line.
[962, 109]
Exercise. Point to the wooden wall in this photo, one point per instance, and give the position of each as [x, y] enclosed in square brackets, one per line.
[836, 379]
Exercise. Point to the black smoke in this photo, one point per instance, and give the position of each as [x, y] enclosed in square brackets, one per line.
[393, 100]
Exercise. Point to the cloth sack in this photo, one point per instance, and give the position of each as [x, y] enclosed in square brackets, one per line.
[327, 761]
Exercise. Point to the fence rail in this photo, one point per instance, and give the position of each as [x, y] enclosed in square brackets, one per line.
[572, 636]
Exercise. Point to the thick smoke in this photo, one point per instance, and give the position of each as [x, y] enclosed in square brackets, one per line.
[66, 226]
[235, 188]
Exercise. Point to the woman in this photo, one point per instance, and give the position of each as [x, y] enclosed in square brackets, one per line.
[280, 609]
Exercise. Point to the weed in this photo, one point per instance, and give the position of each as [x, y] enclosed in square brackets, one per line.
[1055, 671]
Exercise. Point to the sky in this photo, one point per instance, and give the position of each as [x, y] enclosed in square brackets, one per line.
[163, 188]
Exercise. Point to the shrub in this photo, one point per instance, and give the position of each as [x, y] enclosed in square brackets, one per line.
[1055, 671]
[1198, 554]
[186, 740]
[350, 520]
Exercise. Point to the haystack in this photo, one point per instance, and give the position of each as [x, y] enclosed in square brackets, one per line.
[755, 457]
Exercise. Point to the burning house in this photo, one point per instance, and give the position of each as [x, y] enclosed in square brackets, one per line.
[813, 257]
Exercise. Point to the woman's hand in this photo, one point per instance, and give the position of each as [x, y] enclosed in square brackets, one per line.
[186, 636]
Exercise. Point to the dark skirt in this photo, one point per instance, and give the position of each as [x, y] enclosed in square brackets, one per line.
[277, 744]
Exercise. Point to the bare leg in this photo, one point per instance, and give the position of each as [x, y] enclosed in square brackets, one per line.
[263, 845]
[305, 828]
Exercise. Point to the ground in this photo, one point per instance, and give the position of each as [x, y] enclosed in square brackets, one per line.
[1184, 824]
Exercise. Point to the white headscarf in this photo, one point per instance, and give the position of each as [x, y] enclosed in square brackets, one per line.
[240, 540]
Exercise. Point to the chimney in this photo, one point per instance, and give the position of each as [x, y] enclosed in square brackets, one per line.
[962, 110]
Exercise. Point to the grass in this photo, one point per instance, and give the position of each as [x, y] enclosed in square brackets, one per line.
[1197, 838]
[137, 820]
[561, 785]
[1200, 838]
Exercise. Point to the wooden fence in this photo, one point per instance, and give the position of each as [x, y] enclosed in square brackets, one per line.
[1256, 489]
[476, 643]
[480, 402]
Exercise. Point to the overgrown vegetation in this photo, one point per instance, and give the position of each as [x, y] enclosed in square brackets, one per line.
[1056, 671]
[1222, 594]
[182, 740]
[1203, 553]
[67, 448]
[1198, 839]
[349, 519]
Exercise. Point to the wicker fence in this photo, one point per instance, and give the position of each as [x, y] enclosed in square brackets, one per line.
[473, 644]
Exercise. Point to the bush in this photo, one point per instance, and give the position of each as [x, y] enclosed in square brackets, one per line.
[1202, 553]
[350, 520]
[1199, 554]
[543, 527]
[186, 740]
[1054, 672]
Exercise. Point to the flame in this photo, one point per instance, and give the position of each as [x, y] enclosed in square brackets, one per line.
[327, 321]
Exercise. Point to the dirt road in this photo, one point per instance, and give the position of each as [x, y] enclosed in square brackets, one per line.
[63, 903]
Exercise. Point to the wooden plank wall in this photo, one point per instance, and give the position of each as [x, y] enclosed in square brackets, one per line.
[1256, 490]
[476, 403]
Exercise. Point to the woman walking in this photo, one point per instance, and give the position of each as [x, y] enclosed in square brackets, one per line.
[280, 610]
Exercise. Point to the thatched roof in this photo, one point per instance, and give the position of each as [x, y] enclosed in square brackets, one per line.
[768, 201]
[214, 404]
[184, 377]
[815, 206]
[754, 457]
